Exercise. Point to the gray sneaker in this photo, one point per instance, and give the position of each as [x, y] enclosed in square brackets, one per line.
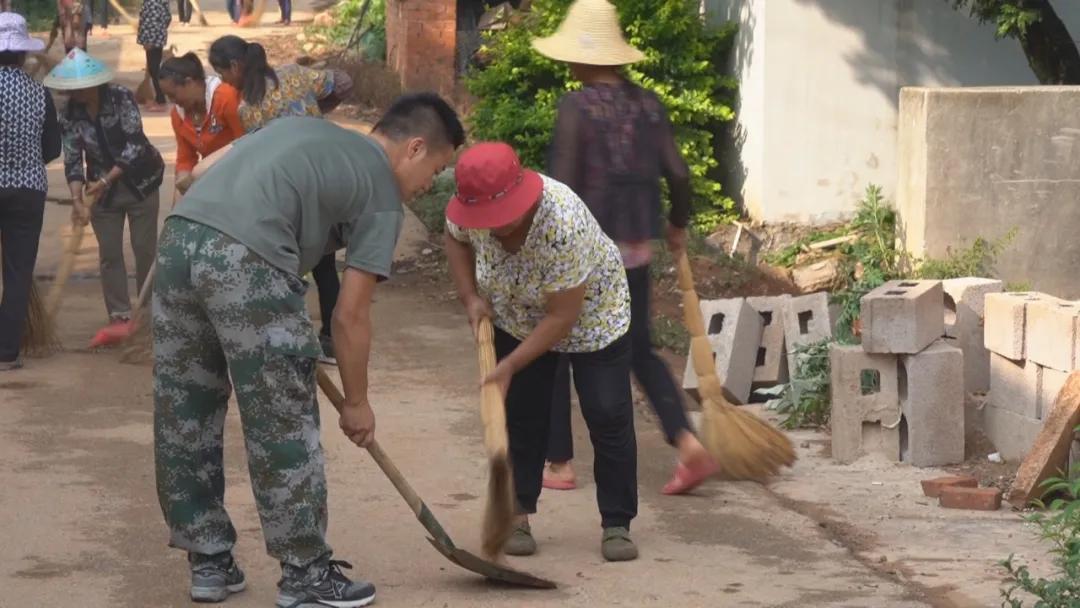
[616, 545]
[331, 588]
[212, 583]
[521, 541]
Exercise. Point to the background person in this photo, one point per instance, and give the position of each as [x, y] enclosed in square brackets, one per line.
[29, 139]
[109, 160]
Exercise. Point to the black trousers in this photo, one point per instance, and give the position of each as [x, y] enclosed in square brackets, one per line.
[602, 379]
[21, 214]
[328, 283]
[649, 369]
[153, 65]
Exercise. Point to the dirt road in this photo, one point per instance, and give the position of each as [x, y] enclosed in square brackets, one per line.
[81, 526]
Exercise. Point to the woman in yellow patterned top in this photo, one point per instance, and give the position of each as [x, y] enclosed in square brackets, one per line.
[268, 93]
[525, 251]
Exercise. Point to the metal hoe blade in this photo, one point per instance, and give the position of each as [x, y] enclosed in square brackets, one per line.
[439, 538]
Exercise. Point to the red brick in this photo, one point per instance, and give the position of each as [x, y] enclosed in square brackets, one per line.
[933, 487]
[975, 499]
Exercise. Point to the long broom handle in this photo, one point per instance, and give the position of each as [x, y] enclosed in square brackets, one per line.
[198, 11]
[123, 13]
[388, 467]
[701, 353]
[492, 408]
[67, 264]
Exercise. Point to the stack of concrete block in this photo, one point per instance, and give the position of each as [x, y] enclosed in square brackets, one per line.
[1033, 339]
[753, 339]
[900, 393]
[964, 325]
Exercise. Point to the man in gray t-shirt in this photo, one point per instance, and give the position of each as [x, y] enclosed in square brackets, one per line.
[229, 304]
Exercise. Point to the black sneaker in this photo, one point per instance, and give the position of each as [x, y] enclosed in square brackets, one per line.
[212, 583]
[327, 356]
[332, 589]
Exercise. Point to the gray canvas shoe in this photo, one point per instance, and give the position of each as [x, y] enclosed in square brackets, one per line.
[616, 545]
[521, 542]
[212, 583]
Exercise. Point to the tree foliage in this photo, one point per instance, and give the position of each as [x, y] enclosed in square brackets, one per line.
[1050, 49]
[518, 89]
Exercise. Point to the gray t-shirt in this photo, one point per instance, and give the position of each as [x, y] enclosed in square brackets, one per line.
[281, 189]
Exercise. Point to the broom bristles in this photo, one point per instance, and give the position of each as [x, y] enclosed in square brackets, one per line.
[742, 444]
[499, 511]
[138, 347]
[39, 337]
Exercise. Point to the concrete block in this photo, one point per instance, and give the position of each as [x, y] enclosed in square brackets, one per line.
[1050, 333]
[1015, 386]
[932, 400]
[734, 331]
[966, 298]
[1051, 381]
[1004, 322]
[1012, 434]
[806, 320]
[771, 364]
[902, 317]
[861, 417]
[964, 314]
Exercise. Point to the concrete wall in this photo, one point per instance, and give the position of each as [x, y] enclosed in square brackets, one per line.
[980, 162]
[820, 86]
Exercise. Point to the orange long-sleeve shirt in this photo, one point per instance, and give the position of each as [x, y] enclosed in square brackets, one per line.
[221, 126]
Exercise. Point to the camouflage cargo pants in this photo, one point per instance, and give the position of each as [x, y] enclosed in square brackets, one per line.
[221, 310]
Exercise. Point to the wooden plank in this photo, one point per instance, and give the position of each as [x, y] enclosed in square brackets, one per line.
[840, 240]
[1050, 455]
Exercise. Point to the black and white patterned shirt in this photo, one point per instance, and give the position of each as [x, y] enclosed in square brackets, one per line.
[29, 131]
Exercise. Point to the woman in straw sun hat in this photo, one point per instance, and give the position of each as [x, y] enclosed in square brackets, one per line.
[613, 143]
[525, 252]
[29, 138]
[113, 170]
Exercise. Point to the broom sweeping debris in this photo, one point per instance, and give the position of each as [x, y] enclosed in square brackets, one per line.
[138, 339]
[744, 445]
[39, 338]
[499, 512]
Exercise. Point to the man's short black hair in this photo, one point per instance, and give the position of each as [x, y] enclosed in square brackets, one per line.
[422, 115]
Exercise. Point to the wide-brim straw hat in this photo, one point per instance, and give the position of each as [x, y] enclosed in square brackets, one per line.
[78, 71]
[14, 36]
[589, 35]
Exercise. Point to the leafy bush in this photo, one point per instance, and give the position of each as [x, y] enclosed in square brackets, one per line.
[1060, 525]
[372, 45]
[519, 89]
[430, 207]
[804, 401]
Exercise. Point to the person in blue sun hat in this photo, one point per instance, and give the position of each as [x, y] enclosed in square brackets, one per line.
[112, 169]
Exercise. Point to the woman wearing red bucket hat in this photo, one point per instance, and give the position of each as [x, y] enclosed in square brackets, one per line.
[525, 251]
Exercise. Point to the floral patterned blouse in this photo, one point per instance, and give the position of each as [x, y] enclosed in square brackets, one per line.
[565, 247]
[297, 93]
[93, 146]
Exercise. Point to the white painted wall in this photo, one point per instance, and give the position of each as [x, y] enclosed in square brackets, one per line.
[820, 82]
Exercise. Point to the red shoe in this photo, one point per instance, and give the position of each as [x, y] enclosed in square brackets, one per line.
[687, 478]
[557, 483]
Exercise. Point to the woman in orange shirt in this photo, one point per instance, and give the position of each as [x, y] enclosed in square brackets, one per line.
[205, 116]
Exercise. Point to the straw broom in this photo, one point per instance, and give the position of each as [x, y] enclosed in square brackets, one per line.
[39, 337]
[499, 511]
[253, 18]
[744, 445]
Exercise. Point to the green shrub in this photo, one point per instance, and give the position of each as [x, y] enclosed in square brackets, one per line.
[804, 402]
[1059, 525]
[372, 45]
[430, 207]
[519, 89]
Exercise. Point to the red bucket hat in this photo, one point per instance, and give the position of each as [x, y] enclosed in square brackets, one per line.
[493, 189]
